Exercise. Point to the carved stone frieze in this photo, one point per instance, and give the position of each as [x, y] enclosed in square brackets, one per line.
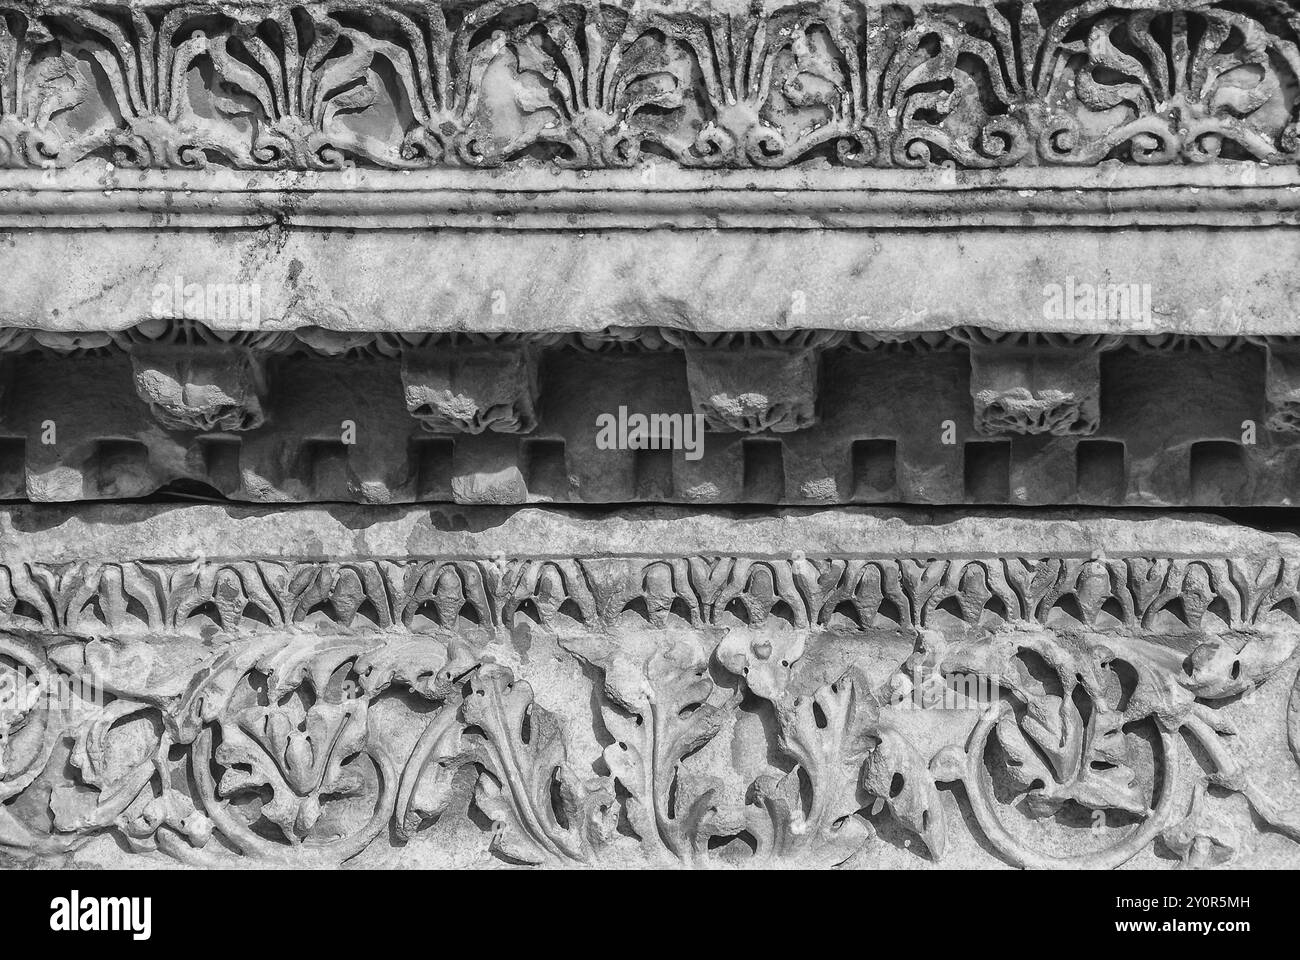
[649, 433]
[569, 703]
[591, 84]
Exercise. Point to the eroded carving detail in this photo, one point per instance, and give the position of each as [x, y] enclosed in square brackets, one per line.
[200, 389]
[753, 390]
[1282, 387]
[467, 390]
[281, 719]
[1036, 390]
[195, 378]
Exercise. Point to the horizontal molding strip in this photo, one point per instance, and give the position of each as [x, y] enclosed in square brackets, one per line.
[708, 206]
[100, 532]
[652, 177]
[1202, 280]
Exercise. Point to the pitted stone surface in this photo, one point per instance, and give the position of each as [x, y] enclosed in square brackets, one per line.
[536, 362]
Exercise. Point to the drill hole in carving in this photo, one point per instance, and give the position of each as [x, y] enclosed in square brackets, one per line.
[1099, 471]
[328, 470]
[653, 473]
[121, 468]
[545, 470]
[221, 462]
[875, 474]
[1218, 472]
[764, 471]
[13, 468]
[988, 471]
[432, 459]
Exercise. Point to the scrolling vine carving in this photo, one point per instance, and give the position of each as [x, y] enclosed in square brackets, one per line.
[293, 712]
[590, 84]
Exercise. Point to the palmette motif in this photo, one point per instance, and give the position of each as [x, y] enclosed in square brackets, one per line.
[321, 86]
[313, 713]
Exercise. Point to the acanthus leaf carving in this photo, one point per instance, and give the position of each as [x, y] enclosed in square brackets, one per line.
[523, 755]
[299, 739]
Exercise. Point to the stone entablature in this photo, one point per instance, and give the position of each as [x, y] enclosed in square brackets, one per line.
[709, 165]
[381, 688]
[295, 257]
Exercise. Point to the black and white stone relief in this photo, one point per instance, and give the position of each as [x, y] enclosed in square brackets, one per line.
[494, 435]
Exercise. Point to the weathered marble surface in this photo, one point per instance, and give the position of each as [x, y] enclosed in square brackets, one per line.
[731, 251]
[947, 254]
[702, 165]
[649, 687]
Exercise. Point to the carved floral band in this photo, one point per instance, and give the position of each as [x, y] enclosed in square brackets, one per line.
[588, 84]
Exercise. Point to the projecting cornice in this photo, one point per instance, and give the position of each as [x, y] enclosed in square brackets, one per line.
[709, 166]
